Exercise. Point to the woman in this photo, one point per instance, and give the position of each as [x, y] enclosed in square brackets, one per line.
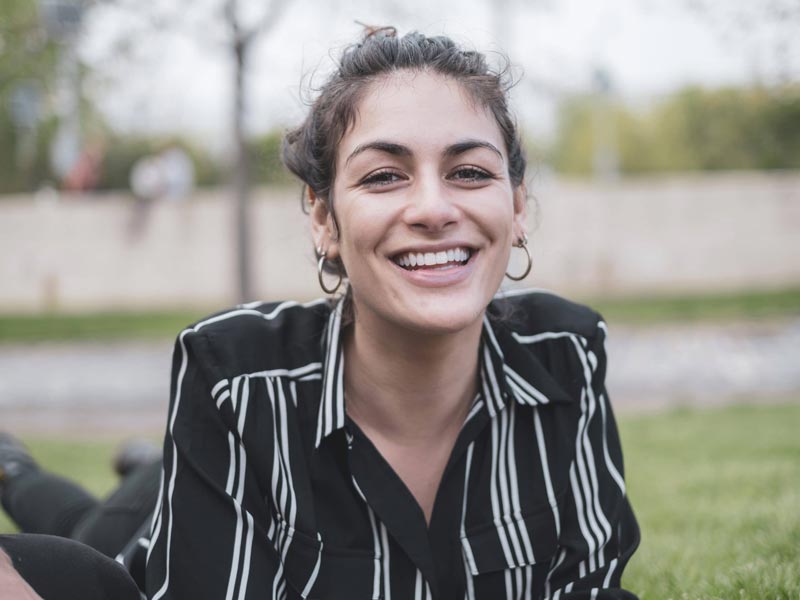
[416, 439]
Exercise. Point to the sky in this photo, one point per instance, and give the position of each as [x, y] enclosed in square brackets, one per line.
[179, 79]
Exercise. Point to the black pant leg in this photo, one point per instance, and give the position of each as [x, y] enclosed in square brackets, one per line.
[111, 525]
[61, 569]
[42, 502]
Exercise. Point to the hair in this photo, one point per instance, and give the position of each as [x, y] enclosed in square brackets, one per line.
[309, 150]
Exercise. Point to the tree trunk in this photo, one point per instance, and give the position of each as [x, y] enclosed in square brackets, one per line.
[241, 176]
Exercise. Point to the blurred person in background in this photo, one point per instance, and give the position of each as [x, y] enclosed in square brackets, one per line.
[420, 435]
[85, 173]
[166, 176]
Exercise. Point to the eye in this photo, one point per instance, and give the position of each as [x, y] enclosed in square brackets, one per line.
[381, 177]
[470, 174]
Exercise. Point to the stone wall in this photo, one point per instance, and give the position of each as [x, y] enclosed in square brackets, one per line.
[672, 234]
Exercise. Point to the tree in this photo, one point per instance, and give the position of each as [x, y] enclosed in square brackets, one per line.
[242, 38]
[27, 66]
[235, 26]
[773, 24]
[694, 129]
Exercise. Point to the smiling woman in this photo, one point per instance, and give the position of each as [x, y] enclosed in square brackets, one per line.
[421, 436]
[423, 171]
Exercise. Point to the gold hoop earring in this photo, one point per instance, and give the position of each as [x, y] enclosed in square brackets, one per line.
[523, 243]
[322, 254]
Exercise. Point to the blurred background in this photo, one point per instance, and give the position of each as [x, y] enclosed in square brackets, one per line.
[140, 188]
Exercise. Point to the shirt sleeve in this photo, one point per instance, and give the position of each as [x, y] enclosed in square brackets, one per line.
[598, 531]
[210, 529]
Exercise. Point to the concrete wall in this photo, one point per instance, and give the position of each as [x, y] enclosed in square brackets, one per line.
[649, 235]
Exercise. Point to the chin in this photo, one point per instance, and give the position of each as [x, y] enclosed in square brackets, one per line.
[424, 311]
[446, 318]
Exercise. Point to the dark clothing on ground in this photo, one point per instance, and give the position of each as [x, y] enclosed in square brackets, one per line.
[271, 491]
[42, 502]
[61, 569]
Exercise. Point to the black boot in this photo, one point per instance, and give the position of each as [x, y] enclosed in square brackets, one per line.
[134, 454]
[15, 460]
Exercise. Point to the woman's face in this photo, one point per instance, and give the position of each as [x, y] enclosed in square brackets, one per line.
[426, 211]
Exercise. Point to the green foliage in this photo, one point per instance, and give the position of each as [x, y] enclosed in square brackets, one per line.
[572, 151]
[265, 152]
[694, 129]
[26, 58]
[121, 152]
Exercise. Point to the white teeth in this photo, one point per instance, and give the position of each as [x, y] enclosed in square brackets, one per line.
[413, 259]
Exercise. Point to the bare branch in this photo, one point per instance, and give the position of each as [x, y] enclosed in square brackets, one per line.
[271, 17]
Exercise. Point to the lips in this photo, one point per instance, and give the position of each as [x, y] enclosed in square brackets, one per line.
[417, 260]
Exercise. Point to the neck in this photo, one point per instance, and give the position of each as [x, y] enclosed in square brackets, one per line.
[410, 386]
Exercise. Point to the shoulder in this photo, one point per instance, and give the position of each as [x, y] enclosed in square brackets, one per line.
[533, 312]
[260, 336]
[557, 345]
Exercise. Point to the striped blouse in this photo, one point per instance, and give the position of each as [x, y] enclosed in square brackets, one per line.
[270, 490]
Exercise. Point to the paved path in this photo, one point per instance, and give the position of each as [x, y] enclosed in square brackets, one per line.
[703, 364]
[123, 386]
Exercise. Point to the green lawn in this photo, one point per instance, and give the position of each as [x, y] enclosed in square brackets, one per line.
[717, 494]
[629, 310]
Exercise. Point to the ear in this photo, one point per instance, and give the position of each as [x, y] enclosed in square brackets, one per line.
[323, 229]
[520, 219]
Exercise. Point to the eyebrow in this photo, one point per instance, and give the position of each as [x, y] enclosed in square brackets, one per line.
[400, 150]
[467, 145]
[387, 147]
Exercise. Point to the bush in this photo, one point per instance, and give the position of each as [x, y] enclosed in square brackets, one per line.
[694, 129]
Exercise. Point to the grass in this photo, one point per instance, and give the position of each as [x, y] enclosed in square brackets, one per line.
[716, 492]
[166, 324]
[717, 495]
[728, 306]
[96, 326]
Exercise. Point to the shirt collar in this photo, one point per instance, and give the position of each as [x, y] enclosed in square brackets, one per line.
[508, 369]
[512, 369]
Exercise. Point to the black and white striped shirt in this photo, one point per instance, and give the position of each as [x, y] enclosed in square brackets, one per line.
[271, 491]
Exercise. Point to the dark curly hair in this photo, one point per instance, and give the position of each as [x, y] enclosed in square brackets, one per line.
[309, 151]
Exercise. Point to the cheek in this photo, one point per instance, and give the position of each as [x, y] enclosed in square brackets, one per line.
[359, 234]
[496, 218]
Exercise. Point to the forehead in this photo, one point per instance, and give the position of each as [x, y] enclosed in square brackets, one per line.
[422, 110]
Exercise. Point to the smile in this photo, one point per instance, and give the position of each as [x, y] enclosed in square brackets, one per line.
[451, 257]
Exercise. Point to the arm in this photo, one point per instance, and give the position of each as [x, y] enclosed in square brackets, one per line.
[598, 530]
[210, 527]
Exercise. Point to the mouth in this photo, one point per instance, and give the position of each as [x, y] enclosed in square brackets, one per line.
[442, 259]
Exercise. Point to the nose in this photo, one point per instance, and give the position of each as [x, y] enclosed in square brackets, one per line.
[431, 205]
